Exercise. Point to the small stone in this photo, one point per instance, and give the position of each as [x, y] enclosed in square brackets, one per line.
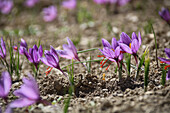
[120, 95]
[105, 90]
[149, 93]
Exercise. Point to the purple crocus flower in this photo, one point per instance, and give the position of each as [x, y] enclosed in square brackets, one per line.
[129, 45]
[165, 14]
[3, 49]
[51, 59]
[111, 52]
[5, 85]
[31, 3]
[69, 52]
[6, 6]
[69, 4]
[28, 94]
[49, 13]
[34, 55]
[167, 61]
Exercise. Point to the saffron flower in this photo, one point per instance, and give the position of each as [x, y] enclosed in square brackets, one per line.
[111, 52]
[165, 14]
[167, 61]
[28, 94]
[51, 59]
[6, 6]
[129, 45]
[31, 3]
[5, 85]
[3, 49]
[69, 4]
[50, 13]
[69, 52]
[34, 55]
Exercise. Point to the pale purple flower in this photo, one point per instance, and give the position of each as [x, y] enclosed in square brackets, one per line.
[50, 13]
[129, 45]
[69, 4]
[28, 94]
[23, 45]
[34, 55]
[31, 3]
[165, 14]
[6, 6]
[2, 49]
[167, 61]
[5, 84]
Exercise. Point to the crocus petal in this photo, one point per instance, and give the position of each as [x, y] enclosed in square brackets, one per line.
[117, 51]
[167, 61]
[168, 75]
[125, 48]
[114, 43]
[69, 51]
[22, 102]
[120, 57]
[7, 82]
[27, 91]
[167, 51]
[35, 56]
[106, 43]
[44, 60]
[23, 43]
[3, 47]
[27, 55]
[2, 90]
[125, 38]
[51, 60]
[54, 53]
[134, 36]
[135, 45]
[40, 51]
[70, 43]
[139, 39]
[63, 54]
[35, 47]
[69, 4]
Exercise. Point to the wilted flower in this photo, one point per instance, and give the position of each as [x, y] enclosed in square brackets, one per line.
[34, 55]
[6, 6]
[129, 45]
[69, 52]
[111, 52]
[165, 14]
[28, 94]
[31, 3]
[69, 4]
[50, 13]
[3, 49]
[5, 85]
[167, 61]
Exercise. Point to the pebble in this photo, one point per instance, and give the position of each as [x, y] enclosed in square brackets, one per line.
[149, 93]
[82, 100]
[120, 95]
[105, 90]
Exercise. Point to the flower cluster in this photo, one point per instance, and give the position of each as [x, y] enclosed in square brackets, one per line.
[114, 52]
[118, 2]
